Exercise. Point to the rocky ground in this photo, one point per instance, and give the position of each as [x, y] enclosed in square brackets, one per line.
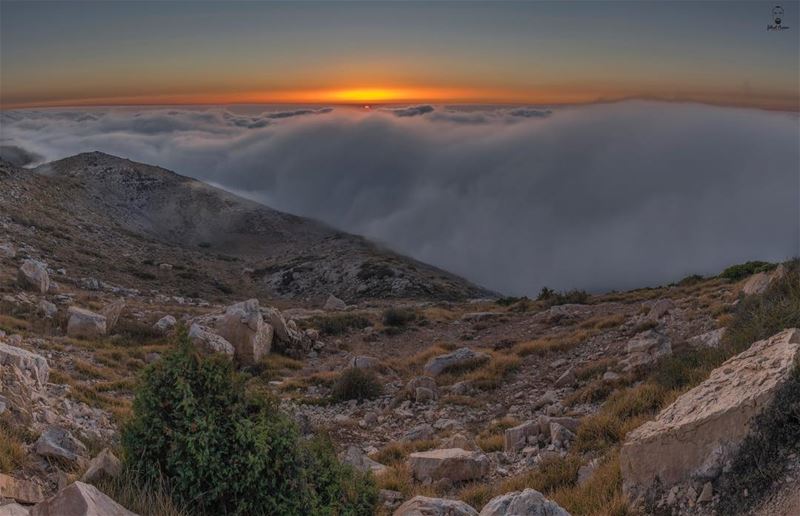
[468, 397]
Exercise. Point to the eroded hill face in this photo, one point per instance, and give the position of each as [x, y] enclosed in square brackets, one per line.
[94, 209]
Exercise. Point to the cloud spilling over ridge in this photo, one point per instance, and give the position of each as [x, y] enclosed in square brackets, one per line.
[598, 197]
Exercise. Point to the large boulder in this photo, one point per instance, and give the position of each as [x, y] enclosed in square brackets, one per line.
[288, 338]
[453, 464]
[358, 459]
[517, 437]
[31, 363]
[425, 506]
[207, 341]
[105, 464]
[111, 312]
[645, 348]
[698, 433]
[334, 303]
[13, 509]
[364, 362]
[462, 357]
[165, 324]
[422, 389]
[58, 443]
[85, 324]
[79, 499]
[518, 503]
[33, 275]
[23, 491]
[244, 327]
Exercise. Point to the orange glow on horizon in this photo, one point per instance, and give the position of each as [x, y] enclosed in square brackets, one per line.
[371, 95]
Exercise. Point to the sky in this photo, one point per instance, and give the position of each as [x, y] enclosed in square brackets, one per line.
[121, 53]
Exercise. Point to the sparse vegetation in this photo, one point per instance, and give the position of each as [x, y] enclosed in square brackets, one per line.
[552, 298]
[221, 451]
[743, 270]
[399, 317]
[357, 384]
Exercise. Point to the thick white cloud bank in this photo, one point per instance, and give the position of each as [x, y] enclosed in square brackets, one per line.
[599, 197]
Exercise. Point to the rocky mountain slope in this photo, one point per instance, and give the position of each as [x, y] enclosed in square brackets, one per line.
[152, 227]
[677, 400]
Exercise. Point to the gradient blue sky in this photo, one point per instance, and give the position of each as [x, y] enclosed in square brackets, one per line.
[79, 53]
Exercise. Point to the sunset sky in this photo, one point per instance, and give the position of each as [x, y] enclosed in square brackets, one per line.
[108, 53]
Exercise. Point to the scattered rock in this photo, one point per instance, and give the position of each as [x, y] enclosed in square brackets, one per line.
[365, 362]
[425, 506]
[334, 303]
[711, 339]
[7, 251]
[23, 491]
[525, 503]
[560, 436]
[695, 435]
[390, 499]
[35, 365]
[207, 341]
[459, 358]
[79, 499]
[105, 464]
[13, 509]
[756, 284]
[359, 460]
[419, 433]
[58, 443]
[707, 494]
[516, 438]
[111, 312]
[244, 327]
[33, 275]
[567, 379]
[660, 308]
[645, 348]
[47, 309]
[453, 464]
[422, 389]
[460, 441]
[85, 324]
[165, 324]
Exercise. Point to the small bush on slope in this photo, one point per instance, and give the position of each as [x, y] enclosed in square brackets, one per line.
[221, 452]
[742, 270]
[357, 384]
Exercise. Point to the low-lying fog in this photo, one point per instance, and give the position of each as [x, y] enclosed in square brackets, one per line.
[608, 196]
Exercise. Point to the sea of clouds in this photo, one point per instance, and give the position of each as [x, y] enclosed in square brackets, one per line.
[600, 197]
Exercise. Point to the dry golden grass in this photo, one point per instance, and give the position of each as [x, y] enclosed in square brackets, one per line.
[484, 374]
[464, 401]
[594, 368]
[544, 345]
[326, 378]
[491, 443]
[552, 473]
[476, 494]
[12, 451]
[396, 453]
[438, 314]
[12, 324]
[600, 495]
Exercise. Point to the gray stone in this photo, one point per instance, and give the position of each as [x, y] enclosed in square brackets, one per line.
[111, 312]
[33, 275]
[453, 464]
[244, 327]
[207, 341]
[85, 324]
[517, 437]
[47, 309]
[567, 379]
[365, 362]
[419, 433]
[58, 443]
[459, 358]
[105, 464]
[359, 460]
[165, 324]
[425, 506]
[525, 503]
[79, 499]
[334, 303]
[33, 364]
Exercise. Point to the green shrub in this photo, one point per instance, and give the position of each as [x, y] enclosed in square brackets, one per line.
[357, 384]
[221, 452]
[552, 298]
[743, 270]
[398, 317]
[510, 300]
